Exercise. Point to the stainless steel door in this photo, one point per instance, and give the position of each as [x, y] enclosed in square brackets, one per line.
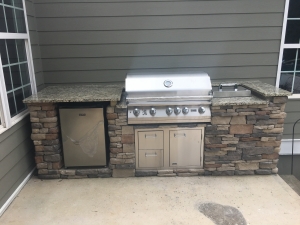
[83, 136]
[185, 148]
[151, 140]
[150, 149]
[150, 159]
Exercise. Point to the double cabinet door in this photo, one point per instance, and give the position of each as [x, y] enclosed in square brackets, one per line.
[169, 148]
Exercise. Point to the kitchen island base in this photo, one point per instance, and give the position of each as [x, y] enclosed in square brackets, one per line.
[243, 138]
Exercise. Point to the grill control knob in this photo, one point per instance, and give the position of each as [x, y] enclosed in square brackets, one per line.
[201, 110]
[169, 111]
[177, 110]
[185, 110]
[136, 112]
[152, 111]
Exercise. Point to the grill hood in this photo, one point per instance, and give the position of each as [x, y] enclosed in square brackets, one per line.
[189, 85]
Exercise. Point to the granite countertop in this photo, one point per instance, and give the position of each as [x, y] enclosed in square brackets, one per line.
[253, 100]
[266, 90]
[113, 92]
[78, 93]
[257, 88]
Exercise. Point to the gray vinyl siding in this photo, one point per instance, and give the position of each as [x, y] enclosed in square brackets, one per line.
[293, 114]
[284, 165]
[35, 47]
[16, 158]
[16, 146]
[101, 41]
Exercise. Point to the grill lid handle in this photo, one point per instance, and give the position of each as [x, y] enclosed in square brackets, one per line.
[235, 85]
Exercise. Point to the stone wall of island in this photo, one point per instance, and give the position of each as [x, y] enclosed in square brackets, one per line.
[48, 149]
[241, 140]
[244, 139]
[121, 137]
[45, 136]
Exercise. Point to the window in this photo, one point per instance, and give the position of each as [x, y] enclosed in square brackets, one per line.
[16, 73]
[288, 76]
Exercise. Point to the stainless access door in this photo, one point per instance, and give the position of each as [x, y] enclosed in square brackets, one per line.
[83, 136]
[185, 148]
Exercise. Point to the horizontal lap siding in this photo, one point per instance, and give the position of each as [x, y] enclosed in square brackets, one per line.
[16, 158]
[159, 49]
[159, 36]
[139, 8]
[228, 73]
[159, 22]
[293, 114]
[15, 177]
[35, 47]
[101, 41]
[16, 147]
[185, 61]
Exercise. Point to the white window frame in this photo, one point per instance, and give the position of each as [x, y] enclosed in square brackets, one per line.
[6, 120]
[285, 46]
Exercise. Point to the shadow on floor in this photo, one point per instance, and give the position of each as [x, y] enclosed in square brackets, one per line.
[293, 182]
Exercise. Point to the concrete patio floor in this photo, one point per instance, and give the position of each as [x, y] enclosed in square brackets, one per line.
[153, 200]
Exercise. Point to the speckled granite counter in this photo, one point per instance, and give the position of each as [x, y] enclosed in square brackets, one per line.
[238, 101]
[78, 93]
[113, 92]
[265, 91]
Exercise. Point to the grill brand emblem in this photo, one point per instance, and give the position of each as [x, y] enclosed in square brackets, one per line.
[82, 114]
[168, 83]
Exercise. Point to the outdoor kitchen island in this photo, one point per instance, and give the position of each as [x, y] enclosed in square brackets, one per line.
[243, 138]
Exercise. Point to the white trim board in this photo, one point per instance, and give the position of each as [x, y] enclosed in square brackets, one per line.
[16, 192]
[286, 147]
[284, 46]
[294, 96]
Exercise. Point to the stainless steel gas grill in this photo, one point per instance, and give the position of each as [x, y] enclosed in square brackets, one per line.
[168, 98]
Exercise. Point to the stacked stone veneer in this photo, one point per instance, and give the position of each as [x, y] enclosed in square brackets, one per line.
[244, 140]
[47, 143]
[45, 136]
[121, 135]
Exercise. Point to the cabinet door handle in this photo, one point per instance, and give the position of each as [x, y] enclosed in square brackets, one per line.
[180, 135]
[150, 155]
[150, 136]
